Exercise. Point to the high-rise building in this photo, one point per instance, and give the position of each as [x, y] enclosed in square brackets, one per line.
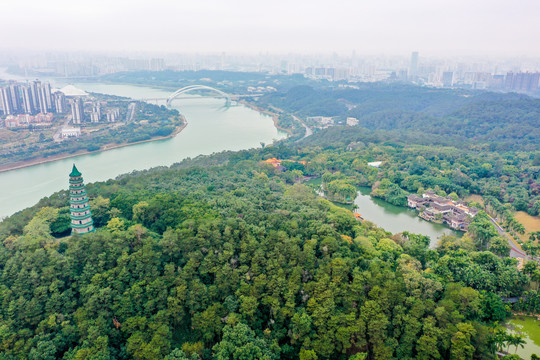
[157, 64]
[331, 73]
[447, 78]
[522, 81]
[320, 72]
[95, 116]
[48, 96]
[42, 100]
[34, 94]
[42, 96]
[113, 114]
[402, 75]
[5, 101]
[77, 113]
[27, 102]
[15, 97]
[81, 216]
[413, 70]
[60, 102]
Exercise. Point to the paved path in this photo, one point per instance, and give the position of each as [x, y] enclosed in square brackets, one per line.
[308, 130]
[515, 251]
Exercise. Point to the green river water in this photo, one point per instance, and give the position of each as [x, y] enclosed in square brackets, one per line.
[211, 128]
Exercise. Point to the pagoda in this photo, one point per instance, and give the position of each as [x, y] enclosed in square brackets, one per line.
[81, 217]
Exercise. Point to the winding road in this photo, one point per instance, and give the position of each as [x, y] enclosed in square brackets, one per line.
[515, 251]
[308, 130]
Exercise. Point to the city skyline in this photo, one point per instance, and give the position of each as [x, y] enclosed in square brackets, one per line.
[444, 28]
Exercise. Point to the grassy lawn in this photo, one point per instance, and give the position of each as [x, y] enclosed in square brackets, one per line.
[531, 223]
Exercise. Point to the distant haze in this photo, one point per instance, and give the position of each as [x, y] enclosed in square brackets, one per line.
[440, 27]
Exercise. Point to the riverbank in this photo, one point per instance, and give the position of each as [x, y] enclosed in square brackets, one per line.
[275, 117]
[106, 147]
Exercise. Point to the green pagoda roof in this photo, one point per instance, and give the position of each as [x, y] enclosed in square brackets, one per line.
[75, 172]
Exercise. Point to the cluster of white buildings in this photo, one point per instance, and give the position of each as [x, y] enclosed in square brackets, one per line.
[261, 89]
[351, 121]
[69, 132]
[94, 109]
[322, 121]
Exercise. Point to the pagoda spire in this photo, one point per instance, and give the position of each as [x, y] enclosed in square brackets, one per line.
[75, 172]
[81, 217]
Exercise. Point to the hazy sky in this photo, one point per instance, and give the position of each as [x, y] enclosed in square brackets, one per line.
[439, 27]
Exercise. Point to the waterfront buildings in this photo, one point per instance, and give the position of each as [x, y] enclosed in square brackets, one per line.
[30, 98]
[81, 217]
[436, 208]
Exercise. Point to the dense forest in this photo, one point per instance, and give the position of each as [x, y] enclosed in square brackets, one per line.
[511, 177]
[227, 257]
[470, 118]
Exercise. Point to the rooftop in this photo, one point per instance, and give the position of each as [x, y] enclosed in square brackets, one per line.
[71, 90]
[75, 172]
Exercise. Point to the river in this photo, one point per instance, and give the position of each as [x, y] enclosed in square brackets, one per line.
[211, 128]
[397, 219]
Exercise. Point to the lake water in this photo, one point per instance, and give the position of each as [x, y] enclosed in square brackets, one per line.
[530, 328]
[211, 128]
[397, 219]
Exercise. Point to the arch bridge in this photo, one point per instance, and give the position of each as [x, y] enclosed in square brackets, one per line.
[189, 88]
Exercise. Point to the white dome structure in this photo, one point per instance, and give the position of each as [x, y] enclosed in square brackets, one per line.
[71, 90]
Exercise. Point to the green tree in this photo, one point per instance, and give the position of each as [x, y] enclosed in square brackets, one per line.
[240, 342]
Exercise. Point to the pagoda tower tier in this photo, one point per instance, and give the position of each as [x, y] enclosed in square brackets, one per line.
[81, 217]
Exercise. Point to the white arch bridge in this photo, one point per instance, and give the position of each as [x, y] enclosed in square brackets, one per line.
[216, 93]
